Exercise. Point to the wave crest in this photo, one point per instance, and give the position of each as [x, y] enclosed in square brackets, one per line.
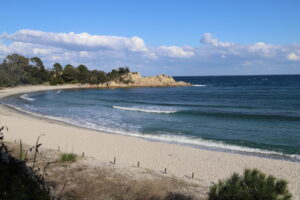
[26, 97]
[145, 110]
[199, 85]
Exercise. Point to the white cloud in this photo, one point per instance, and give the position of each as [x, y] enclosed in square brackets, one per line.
[175, 52]
[293, 56]
[106, 52]
[247, 63]
[4, 49]
[83, 53]
[207, 38]
[263, 49]
[80, 41]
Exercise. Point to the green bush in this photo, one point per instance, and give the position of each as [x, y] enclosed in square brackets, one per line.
[74, 82]
[56, 81]
[253, 185]
[68, 157]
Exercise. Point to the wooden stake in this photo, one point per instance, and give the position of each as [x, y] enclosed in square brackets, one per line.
[193, 175]
[82, 154]
[165, 170]
[138, 164]
[114, 160]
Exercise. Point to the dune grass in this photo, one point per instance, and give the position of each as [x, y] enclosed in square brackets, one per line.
[68, 157]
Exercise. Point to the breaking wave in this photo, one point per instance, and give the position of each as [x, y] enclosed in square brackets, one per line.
[26, 97]
[145, 110]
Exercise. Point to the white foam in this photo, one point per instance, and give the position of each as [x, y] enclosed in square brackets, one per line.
[214, 145]
[196, 142]
[37, 114]
[199, 85]
[58, 91]
[144, 110]
[26, 97]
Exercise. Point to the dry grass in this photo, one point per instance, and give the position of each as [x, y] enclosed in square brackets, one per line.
[83, 182]
[79, 181]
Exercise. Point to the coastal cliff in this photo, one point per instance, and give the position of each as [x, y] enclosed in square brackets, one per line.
[135, 79]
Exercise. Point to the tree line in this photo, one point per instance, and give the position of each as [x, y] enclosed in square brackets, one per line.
[19, 70]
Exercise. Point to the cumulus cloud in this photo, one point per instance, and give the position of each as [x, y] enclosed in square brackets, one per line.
[101, 51]
[176, 52]
[80, 41]
[262, 48]
[293, 56]
[213, 46]
[207, 38]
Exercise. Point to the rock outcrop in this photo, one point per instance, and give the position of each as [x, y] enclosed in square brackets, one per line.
[136, 80]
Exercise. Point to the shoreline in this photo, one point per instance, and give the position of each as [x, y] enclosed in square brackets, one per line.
[180, 160]
[242, 151]
[209, 145]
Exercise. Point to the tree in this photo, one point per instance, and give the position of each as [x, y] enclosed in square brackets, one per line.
[57, 69]
[38, 63]
[113, 75]
[6, 79]
[123, 70]
[56, 80]
[253, 185]
[17, 65]
[70, 74]
[101, 76]
[17, 69]
[84, 73]
[97, 77]
[40, 73]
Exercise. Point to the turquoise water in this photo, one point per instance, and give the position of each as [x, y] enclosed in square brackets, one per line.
[245, 114]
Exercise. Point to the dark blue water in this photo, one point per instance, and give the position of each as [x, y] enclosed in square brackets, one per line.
[253, 114]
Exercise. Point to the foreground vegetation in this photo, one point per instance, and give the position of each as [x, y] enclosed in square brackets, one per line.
[18, 180]
[45, 175]
[19, 70]
[252, 185]
[52, 179]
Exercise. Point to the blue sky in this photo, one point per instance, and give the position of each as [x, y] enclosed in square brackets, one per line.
[174, 37]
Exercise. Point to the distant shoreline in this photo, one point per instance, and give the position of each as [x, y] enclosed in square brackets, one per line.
[241, 75]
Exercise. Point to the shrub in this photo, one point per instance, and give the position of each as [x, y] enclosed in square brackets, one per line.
[253, 185]
[68, 157]
[17, 180]
[56, 81]
[74, 81]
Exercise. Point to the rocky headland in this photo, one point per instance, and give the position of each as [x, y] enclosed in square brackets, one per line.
[135, 79]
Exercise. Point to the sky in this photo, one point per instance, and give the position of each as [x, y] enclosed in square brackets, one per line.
[212, 37]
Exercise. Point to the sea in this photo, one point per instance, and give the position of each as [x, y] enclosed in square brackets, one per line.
[250, 115]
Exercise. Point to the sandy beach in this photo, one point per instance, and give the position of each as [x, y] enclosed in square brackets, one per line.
[180, 161]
